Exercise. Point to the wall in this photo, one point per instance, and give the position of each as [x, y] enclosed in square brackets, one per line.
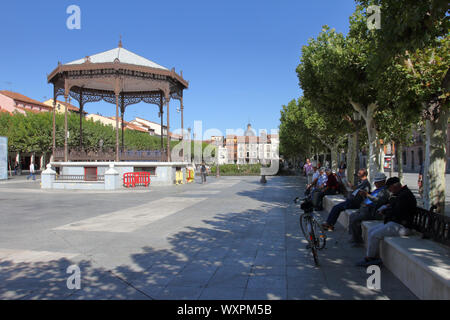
[8, 104]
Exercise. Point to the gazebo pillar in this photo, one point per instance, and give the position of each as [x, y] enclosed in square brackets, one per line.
[81, 118]
[182, 123]
[161, 112]
[66, 150]
[54, 124]
[122, 112]
[182, 127]
[117, 127]
[168, 129]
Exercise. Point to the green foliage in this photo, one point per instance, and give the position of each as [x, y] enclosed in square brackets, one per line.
[410, 25]
[238, 169]
[33, 133]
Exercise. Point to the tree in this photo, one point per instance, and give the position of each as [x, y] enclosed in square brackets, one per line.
[295, 137]
[415, 34]
[335, 74]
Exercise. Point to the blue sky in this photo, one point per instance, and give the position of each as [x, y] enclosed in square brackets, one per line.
[239, 56]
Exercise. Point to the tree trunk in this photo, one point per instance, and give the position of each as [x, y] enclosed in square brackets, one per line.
[373, 161]
[334, 157]
[368, 113]
[19, 170]
[435, 161]
[42, 162]
[351, 157]
[399, 157]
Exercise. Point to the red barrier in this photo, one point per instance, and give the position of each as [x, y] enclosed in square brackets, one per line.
[131, 179]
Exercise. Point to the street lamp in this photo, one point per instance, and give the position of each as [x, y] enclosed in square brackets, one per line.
[218, 165]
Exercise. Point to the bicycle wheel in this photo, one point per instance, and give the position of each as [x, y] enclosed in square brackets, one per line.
[313, 238]
[303, 223]
[320, 235]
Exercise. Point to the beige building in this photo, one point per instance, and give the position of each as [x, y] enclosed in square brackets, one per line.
[152, 128]
[61, 106]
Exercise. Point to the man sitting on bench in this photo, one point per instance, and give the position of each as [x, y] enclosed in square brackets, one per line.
[368, 210]
[353, 201]
[398, 218]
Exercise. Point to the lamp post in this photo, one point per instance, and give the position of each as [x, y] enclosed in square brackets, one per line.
[218, 165]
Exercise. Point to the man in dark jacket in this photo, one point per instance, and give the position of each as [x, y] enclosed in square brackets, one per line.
[353, 201]
[368, 210]
[398, 218]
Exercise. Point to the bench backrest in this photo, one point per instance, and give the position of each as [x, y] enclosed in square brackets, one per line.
[432, 225]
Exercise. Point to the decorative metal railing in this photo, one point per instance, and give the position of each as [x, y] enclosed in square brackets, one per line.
[110, 155]
[72, 177]
[432, 225]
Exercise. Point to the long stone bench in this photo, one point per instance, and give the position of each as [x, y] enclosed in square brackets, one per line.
[330, 201]
[421, 264]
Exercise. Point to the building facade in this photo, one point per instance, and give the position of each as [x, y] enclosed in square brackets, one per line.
[249, 148]
[15, 102]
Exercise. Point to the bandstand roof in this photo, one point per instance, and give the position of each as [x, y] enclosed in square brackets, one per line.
[98, 76]
[122, 54]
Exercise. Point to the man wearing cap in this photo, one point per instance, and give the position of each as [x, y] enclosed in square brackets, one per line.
[398, 217]
[368, 210]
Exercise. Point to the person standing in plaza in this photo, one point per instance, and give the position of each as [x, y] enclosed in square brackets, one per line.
[309, 169]
[32, 172]
[16, 168]
[203, 172]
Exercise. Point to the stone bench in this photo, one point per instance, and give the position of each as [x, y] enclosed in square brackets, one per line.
[330, 201]
[422, 265]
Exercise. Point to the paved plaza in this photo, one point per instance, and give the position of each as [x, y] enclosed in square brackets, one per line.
[231, 238]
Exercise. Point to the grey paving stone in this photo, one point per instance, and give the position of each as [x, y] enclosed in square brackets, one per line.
[266, 281]
[265, 294]
[179, 293]
[243, 242]
[222, 293]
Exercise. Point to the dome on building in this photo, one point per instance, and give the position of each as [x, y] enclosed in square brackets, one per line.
[250, 132]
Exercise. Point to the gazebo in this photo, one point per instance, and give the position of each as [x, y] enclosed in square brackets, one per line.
[120, 77]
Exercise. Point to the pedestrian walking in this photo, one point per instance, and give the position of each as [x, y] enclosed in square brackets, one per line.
[16, 168]
[32, 172]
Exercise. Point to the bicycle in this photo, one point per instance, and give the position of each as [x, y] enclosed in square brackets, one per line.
[311, 228]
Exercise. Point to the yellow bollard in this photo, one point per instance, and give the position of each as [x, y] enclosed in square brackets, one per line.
[179, 177]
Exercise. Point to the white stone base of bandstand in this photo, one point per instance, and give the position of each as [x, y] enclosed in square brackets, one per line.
[113, 172]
